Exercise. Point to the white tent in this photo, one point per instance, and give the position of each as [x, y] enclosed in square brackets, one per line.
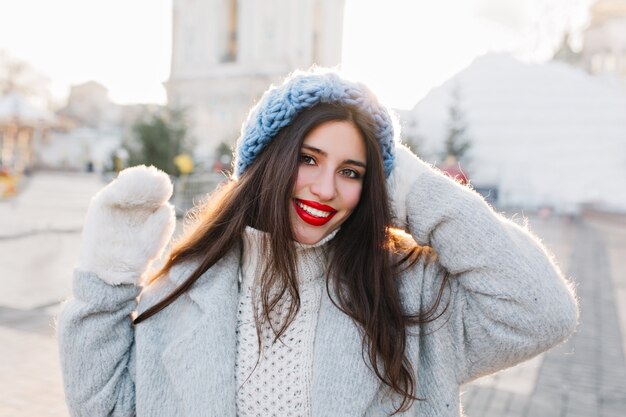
[542, 134]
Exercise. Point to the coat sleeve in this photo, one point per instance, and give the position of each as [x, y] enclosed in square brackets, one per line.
[96, 344]
[508, 300]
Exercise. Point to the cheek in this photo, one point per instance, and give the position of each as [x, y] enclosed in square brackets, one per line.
[301, 180]
[351, 197]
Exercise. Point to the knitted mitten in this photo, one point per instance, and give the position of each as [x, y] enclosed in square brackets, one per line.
[128, 224]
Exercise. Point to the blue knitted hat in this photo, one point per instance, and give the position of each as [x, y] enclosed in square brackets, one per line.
[302, 90]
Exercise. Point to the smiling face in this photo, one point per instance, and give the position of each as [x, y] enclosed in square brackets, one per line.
[331, 168]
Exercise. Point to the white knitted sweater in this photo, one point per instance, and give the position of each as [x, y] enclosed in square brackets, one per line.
[278, 382]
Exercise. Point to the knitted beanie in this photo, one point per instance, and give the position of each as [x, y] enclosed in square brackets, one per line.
[301, 90]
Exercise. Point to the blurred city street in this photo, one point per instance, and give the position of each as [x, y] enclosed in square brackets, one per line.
[39, 240]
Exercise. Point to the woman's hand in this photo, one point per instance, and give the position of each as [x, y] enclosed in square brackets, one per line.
[407, 169]
[128, 225]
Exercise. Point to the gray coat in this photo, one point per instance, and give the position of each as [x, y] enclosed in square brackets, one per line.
[507, 303]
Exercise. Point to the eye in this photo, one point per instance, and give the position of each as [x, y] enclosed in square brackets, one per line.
[350, 173]
[307, 159]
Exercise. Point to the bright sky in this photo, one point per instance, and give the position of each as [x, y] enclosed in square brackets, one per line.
[402, 48]
[123, 44]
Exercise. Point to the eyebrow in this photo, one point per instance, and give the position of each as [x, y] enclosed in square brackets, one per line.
[323, 153]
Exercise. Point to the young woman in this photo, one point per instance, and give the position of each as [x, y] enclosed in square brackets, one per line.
[335, 274]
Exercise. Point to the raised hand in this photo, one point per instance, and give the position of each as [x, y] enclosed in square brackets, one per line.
[128, 225]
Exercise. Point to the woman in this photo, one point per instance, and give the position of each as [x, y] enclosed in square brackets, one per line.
[296, 293]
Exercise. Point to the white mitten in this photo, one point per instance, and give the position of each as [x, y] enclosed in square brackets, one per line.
[407, 169]
[128, 225]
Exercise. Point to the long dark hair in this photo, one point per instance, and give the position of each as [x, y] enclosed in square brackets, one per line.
[363, 276]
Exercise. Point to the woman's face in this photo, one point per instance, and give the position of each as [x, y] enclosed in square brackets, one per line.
[330, 178]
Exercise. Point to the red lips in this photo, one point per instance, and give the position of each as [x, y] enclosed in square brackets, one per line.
[311, 219]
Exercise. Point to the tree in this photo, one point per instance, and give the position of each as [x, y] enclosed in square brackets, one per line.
[158, 139]
[18, 75]
[410, 134]
[457, 141]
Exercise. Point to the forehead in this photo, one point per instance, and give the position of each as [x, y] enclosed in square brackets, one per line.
[338, 139]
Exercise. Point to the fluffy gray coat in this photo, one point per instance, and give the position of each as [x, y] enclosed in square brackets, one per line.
[507, 303]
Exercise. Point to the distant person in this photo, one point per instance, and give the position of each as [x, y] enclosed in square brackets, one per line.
[297, 292]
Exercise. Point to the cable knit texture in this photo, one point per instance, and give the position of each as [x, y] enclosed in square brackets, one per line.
[507, 303]
[279, 105]
[279, 383]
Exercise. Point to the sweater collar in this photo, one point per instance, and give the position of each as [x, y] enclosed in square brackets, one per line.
[310, 263]
[253, 235]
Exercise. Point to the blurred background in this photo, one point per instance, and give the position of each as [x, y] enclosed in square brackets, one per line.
[525, 101]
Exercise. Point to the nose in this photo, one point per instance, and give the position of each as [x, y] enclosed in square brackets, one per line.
[324, 187]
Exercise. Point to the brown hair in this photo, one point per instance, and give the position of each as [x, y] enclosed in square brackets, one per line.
[363, 276]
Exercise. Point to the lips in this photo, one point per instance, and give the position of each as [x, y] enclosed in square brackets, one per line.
[313, 213]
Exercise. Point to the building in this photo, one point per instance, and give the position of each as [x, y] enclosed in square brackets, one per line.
[225, 53]
[89, 105]
[89, 130]
[603, 51]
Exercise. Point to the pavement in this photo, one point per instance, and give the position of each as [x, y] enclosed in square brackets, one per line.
[584, 377]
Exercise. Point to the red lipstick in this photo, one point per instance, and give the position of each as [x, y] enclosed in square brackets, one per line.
[310, 218]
